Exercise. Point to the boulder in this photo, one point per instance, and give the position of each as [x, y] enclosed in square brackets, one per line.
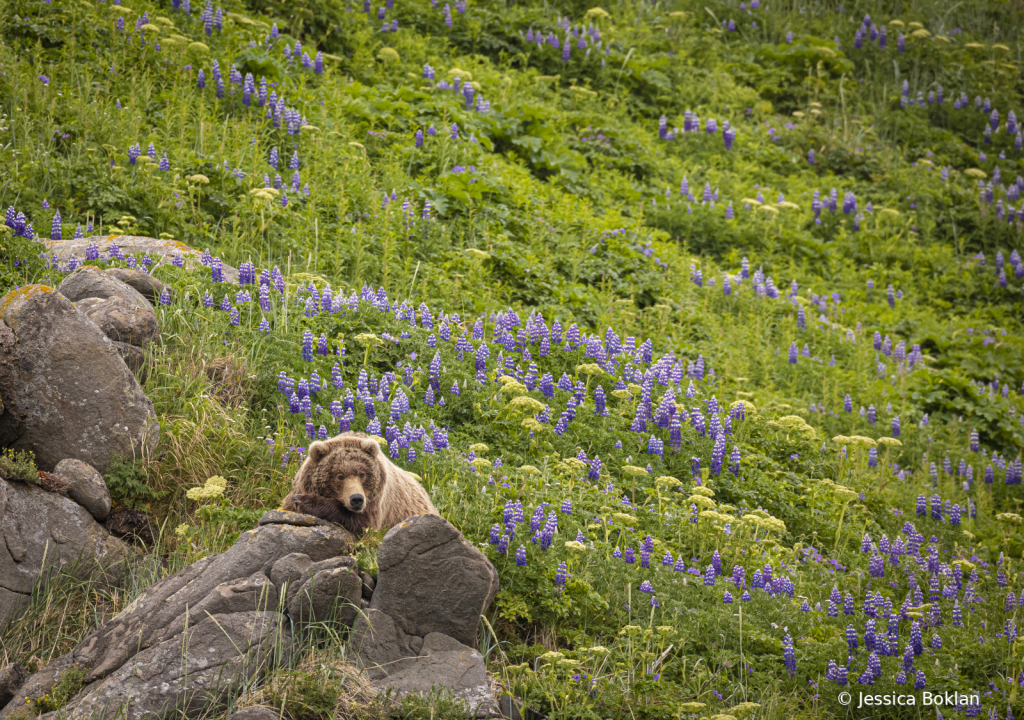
[403, 664]
[91, 282]
[12, 677]
[432, 580]
[41, 532]
[86, 487]
[121, 320]
[67, 392]
[163, 251]
[419, 631]
[368, 584]
[318, 591]
[331, 594]
[255, 713]
[192, 639]
[118, 309]
[445, 664]
[147, 285]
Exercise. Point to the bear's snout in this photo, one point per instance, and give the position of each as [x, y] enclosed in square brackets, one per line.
[356, 502]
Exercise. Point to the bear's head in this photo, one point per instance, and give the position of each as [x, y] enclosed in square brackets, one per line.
[349, 472]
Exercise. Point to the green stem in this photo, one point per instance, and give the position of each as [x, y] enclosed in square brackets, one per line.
[839, 529]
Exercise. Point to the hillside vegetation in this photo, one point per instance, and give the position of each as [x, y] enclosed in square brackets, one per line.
[702, 320]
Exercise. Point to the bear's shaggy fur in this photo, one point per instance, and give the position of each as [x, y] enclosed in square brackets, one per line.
[339, 470]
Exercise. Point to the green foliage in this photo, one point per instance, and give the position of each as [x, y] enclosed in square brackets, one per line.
[19, 465]
[564, 199]
[127, 481]
[304, 696]
[439, 706]
[71, 681]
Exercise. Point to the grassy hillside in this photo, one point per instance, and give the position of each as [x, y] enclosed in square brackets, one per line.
[703, 320]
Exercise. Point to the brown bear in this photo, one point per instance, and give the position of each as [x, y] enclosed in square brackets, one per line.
[348, 480]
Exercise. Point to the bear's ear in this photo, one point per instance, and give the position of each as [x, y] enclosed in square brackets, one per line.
[318, 451]
[369, 446]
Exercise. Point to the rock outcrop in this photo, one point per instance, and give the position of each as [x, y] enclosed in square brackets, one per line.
[192, 641]
[432, 580]
[40, 532]
[66, 390]
[163, 251]
[147, 285]
[420, 631]
[118, 309]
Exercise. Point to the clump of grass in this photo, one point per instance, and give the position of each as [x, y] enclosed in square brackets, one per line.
[303, 696]
[322, 684]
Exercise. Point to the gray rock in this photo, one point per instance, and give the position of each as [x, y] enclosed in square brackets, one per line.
[67, 392]
[12, 677]
[164, 251]
[446, 664]
[234, 587]
[405, 664]
[147, 285]
[368, 584]
[91, 282]
[432, 580]
[509, 708]
[291, 571]
[418, 632]
[255, 713]
[133, 357]
[331, 594]
[198, 670]
[121, 320]
[255, 592]
[120, 311]
[380, 643]
[295, 569]
[87, 487]
[41, 531]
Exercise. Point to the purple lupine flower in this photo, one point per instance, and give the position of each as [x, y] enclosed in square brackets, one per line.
[561, 574]
[789, 655]
[849, 203]
[55, 226]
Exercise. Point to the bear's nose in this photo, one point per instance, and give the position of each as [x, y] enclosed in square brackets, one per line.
[356, 501]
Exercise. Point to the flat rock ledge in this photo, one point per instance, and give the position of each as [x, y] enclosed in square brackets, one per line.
[162, 251]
